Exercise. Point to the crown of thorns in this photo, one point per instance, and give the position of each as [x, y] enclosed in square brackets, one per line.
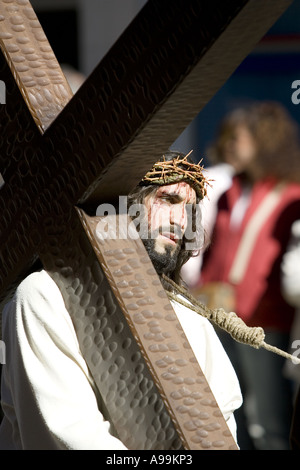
[177, 170]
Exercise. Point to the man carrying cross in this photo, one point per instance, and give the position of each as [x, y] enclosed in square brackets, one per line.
[48, 395]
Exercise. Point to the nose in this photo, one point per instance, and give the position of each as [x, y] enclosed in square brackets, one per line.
[178, 216]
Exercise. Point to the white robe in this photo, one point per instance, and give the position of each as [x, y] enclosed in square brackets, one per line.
[47, 392]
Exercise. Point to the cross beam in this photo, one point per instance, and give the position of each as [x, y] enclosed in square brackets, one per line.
[58, 152]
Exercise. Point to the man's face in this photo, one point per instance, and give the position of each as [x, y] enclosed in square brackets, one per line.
[167, 222]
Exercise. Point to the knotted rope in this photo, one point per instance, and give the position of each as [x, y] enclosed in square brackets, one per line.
[230, 322]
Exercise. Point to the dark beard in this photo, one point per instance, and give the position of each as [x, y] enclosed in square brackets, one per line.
[164, 263]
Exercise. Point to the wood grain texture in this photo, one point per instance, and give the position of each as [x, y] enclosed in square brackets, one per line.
[32, 61]
[59, 151]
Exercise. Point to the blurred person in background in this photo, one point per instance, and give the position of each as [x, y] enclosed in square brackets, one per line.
[226, 157]
[241, 268]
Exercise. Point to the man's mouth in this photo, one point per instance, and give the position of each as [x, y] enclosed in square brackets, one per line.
[171, 237]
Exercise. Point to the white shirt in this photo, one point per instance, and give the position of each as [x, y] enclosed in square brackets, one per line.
[47, 392]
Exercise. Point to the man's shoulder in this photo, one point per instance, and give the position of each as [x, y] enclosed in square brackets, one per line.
[37, 298]
[36, 292]
[36, 282]
[184, 309]
[30, 298]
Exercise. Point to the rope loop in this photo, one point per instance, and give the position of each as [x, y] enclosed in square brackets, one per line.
[229, 322]
[235, 326]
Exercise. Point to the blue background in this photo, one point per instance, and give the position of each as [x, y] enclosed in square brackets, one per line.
[266, 74]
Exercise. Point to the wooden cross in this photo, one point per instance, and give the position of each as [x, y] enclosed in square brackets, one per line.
[60, 153]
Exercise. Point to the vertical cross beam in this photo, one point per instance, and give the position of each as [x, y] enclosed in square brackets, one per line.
[58, 152]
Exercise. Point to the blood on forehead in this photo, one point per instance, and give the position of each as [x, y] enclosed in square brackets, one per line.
[182, 189]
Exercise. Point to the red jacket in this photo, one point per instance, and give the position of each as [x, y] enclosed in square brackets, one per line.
[258, 298]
